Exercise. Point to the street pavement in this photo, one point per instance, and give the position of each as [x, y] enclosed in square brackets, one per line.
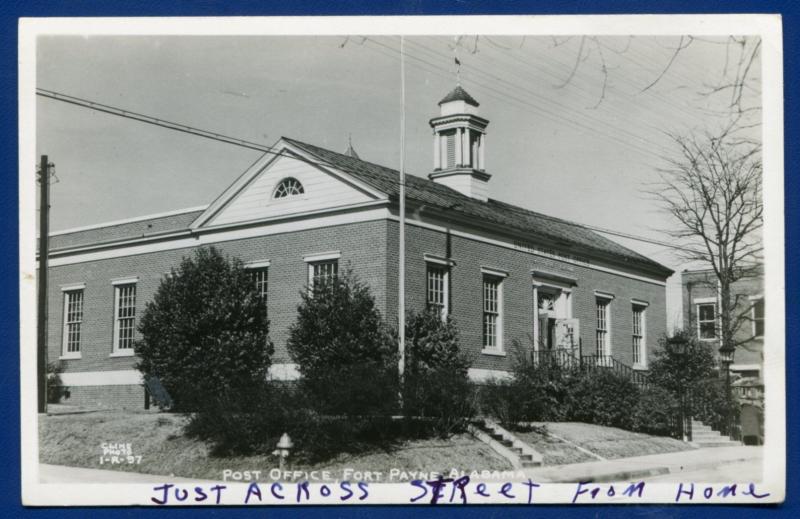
[746, 471]
[673, 466]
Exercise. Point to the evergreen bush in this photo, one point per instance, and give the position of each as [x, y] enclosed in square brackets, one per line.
[345, 352]
[436, 382]
[205, 333]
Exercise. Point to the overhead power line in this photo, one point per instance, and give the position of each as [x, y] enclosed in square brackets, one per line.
[156, 121]
[555, 114]
[150, 120]
[629, 236]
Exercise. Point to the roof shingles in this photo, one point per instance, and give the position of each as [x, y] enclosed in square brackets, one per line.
[122, 231]
[529, 222]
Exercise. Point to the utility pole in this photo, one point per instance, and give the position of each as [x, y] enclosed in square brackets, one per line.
[44, 230]
[401, 298]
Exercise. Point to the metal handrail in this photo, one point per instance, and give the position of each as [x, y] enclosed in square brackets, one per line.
[609, 362]
[567, 359]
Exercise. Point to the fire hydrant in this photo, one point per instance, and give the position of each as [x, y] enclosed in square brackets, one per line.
[284, 446]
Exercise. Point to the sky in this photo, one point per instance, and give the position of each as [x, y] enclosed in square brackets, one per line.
[574, 130]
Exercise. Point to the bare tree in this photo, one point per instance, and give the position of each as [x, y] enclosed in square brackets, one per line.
[712, 189]
[739, 73]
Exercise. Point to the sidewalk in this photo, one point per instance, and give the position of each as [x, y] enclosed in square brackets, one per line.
[642, 467]
[64, 474]
[626, 469]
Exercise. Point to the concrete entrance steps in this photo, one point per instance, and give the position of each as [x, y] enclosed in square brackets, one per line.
[519, 453]
[705, 436]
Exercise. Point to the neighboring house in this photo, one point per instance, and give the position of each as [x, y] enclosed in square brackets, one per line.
[701, 315]
[303, 213]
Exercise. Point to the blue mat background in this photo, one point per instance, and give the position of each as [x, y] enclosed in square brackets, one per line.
[10, 11]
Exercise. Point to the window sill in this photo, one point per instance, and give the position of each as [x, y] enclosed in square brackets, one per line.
[70, 357]
[493, 351]
[640, 367]
[122, 354]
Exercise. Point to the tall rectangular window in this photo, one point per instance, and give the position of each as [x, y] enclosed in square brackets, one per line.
[602, 345]
[261, 279]
[638, 335]
[73, 318]
[124, 317]
[322, 271]
[707, 321]
[437, 288]
[492, 312]
[758, 317]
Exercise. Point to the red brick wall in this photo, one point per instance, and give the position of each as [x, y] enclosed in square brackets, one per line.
[117, 397]
[370, 248]
[466, 293]
[362, 246]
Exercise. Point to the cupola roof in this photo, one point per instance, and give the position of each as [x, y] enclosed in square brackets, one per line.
[459, 94]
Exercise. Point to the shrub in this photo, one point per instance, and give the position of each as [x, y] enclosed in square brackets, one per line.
[656, 412]
[687, 368]
[243, 424]
[680, 362]
[537, 391]
[55, 390]
[709, 403]
[436, 382]
[346, 355]
[601, 396]
[205, 333]
[544, 386]
[500, 400]
[236, 426]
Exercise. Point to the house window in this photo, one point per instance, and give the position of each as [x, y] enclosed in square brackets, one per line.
[288, 187]
[73, 318]
[602, 336]
[437, 289]
[707, 321]
[322, 272]
[124, 317]
[758, 317]
[492, 312]
[638, 335]
[261, 278]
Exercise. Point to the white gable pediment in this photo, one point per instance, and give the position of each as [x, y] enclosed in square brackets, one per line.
[252, 197]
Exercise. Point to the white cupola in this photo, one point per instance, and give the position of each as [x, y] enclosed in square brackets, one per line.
[459, 141]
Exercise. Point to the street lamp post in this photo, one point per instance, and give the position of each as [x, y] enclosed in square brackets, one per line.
[726, 353]
[682, 347]
[686, 418]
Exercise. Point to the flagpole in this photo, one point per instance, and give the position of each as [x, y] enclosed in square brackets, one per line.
[401, 271]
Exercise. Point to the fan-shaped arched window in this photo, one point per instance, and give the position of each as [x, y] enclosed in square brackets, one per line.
[289, 186]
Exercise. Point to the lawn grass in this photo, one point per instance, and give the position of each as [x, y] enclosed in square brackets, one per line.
[554, 451]
[76, 439]
[556, 438]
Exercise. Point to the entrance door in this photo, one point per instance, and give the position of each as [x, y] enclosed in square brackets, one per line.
[547, 336]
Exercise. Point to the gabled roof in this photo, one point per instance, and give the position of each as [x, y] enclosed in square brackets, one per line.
[459, 94]
[385, 181]
[427, 192]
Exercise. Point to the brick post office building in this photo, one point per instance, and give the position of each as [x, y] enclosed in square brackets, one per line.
[302, 212]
